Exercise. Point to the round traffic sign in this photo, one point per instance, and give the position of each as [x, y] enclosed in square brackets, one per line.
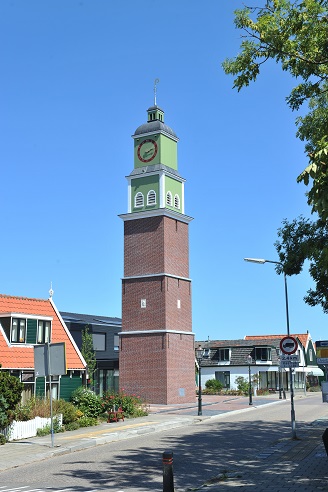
[288, 345]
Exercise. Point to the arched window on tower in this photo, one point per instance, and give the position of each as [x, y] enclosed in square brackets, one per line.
[169, 199]
[151, 197]
[176, 201]
[139, 200]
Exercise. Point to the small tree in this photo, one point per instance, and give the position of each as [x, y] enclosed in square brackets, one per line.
[11, 393]
[88, 352]
[242, 385]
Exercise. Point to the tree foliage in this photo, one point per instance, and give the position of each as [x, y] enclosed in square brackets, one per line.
[88, 352]
[302, 240]
[294, 35]
[11, 392]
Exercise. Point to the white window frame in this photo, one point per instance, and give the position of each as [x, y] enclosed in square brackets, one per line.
[18, 333]
[177, 201]
[43, 331]
[151, 197]
[139, 200]
[169, 199]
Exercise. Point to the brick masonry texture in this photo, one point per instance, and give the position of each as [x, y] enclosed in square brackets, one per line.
[156, 245]
[160, 367]
[161, 312]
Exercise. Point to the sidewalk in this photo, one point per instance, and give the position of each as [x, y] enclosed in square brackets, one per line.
[245, 474]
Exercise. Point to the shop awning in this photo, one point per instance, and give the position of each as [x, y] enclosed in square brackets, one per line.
[314, 371]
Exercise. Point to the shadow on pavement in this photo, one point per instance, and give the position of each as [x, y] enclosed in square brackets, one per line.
[210, 450]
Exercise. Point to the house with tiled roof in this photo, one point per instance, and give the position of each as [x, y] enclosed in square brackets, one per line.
[308, 359]
[26, 322]
[226, 360]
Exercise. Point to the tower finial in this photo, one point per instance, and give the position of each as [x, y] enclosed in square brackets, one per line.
[51, 292]
[155, 91]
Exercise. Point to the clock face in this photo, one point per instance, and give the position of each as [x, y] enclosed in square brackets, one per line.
[147, 150]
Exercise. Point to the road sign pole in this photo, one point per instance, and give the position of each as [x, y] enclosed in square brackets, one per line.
[292, 409]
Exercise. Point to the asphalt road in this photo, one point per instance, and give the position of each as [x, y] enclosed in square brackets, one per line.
[200, 452]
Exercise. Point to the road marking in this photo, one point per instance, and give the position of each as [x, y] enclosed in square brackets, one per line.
[27, 488]
[107, 431]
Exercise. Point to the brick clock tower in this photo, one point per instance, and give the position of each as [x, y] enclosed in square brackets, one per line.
[157, 358]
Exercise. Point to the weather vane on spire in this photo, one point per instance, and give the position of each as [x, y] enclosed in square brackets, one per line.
[155, 91]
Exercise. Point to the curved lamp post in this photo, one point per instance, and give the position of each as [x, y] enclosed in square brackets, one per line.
[249, 361]
[262, 261]
[199, 357]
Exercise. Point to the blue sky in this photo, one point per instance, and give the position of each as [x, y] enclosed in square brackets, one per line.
[76, 80]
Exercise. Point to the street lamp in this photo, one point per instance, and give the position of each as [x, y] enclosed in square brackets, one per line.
[262, 261]
[199, 357]
[249, 361]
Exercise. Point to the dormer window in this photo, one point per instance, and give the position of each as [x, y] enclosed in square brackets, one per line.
[28, 330]
[262, 353]
[43, 331]
[169, 199]
[151, 197]
[224, 354]
[139, 200]
[18, 330]
[176, 201]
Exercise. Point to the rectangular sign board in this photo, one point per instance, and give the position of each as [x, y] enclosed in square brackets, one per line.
[322, 360]
[289, 360]
[322, 352]
[324, 389]
[50, 359]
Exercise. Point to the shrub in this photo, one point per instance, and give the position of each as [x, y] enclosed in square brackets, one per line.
[261, 392]
[44, 431]
[242, 385]
[47, 429]
[2, 439]
[68, 410]
[34, 407]
[23, 412]
[11, 392]
[72, 426]
[213, 385]
[132, 405]
[87, 401]
[87, 421]
[40, 407]
[4, 418]
[312, 389]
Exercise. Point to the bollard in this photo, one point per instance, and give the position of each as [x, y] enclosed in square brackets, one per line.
[168, 485]
[325, 440]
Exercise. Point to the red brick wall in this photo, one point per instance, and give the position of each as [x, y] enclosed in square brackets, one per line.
[160, 368]
[161, 311]
[156, 245]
